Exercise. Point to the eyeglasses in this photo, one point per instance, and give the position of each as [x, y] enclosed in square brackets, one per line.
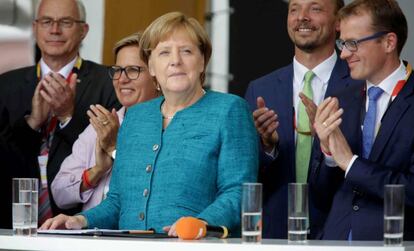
[66, 22]
[352, 45]
[132, 72]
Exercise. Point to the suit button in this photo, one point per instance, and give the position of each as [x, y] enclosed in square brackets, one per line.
[148, 169]
[355, 208]
[141, 216]
[155, 147]
[145, 193]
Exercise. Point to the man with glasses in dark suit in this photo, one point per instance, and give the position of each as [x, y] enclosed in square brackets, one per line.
[366, 132]
[47, 103]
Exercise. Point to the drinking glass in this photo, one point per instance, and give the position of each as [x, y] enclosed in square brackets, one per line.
[35, 206]
[22, 205]
[252, 213]
[394, 214]
[298, 212]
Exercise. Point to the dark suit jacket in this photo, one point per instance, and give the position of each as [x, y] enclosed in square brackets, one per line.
[12, 165]
[358, 199]
[17, 89]
[277, 90]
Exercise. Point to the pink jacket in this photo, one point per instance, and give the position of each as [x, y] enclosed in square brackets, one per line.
[66, 185]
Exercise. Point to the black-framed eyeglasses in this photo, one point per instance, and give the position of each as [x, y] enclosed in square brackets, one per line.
[66, 22]
[132, 72]
[352, 45]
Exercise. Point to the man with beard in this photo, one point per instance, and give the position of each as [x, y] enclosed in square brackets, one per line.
[284, 104]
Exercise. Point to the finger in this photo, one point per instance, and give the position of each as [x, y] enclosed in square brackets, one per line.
[272, 128]
[45, 95]
[269, 121]
[166, 229]
[269, 115]
[95, 121]
[322, 106]
[46, 224]
[97, 125]
[56, 83]
[98, 113]
[73, 223]
[115, 116]
[328, 109]
[333, 126]
[260, 102]
[56, 223]
[103, 110]
[335, 116]
[305, 100]
[259, 112]
[172, 231]
[73, 81]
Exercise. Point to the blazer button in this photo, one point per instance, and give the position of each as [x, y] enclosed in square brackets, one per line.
[145, 193]
[355, 207]
[148, 169]
[155, 147]
[141, 216]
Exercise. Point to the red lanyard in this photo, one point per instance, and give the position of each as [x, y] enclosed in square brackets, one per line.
[400, 84]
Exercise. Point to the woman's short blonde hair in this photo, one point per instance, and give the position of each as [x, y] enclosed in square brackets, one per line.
[162, 27]
[132, 39]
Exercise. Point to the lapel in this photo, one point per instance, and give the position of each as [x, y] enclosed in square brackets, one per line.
[391, 119]
[84, 77]
[284, 101]
[339, 78]
[28, 89]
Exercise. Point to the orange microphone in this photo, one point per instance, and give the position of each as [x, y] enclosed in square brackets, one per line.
[190, 228]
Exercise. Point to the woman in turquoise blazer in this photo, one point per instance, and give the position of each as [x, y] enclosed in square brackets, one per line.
[184, 154]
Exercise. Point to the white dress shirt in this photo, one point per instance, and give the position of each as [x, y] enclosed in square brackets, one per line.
[319, 84]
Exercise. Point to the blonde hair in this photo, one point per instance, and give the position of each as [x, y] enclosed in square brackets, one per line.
[132, 39]
[165, 25]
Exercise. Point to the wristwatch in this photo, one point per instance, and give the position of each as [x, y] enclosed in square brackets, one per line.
[113, 154]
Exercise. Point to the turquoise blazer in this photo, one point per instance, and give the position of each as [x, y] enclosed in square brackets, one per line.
[195, 167]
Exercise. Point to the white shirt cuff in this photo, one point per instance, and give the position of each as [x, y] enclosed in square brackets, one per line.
[329, 161]
[273, 154]
[65, 124]
[350, 164]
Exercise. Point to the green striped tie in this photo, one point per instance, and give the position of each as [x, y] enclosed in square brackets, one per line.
[304, 137]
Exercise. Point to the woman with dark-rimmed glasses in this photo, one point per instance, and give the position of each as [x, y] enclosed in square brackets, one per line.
[85, 174]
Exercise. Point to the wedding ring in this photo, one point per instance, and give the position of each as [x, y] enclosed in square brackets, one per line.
[105, 122]
[324, 124]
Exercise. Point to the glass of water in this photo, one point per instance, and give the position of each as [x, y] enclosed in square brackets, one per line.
[22, 209]
[298, 212]
[394, 196]
[252, 213]
[35, 206]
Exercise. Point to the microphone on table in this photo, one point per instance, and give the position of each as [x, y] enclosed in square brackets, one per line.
[190, 228]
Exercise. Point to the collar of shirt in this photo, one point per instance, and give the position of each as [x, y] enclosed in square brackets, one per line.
[65, 71]
[319, 82]
[389, 83]
[322, 71]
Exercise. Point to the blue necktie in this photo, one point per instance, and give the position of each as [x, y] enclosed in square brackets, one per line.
[368, 131]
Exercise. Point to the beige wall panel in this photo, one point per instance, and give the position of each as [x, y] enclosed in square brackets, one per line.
[123, 17]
